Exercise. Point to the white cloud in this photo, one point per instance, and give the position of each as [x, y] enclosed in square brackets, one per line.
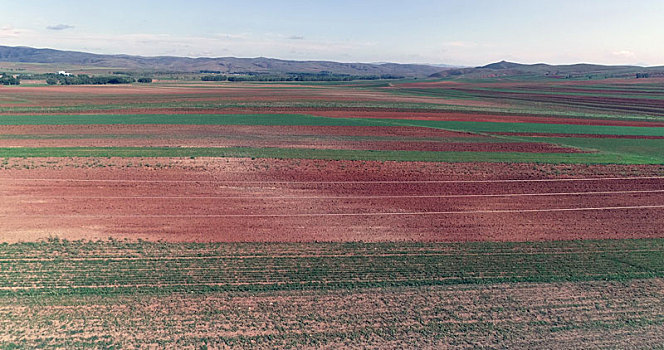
[60, 27]
[217, 45]
[624, 54]
[461, 44]
[301, 47]
[10, 32]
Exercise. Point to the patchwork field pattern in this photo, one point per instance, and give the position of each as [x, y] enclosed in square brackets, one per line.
[400, 214]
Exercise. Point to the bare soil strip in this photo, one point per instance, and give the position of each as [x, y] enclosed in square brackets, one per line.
[418, 202]
[337, 214]
[359, 197]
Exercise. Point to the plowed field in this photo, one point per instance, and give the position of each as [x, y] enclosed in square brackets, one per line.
[338, 204]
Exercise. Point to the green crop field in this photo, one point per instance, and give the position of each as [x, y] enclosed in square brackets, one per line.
[272, 295]
[639, 147]
[334, 154]
[616, 151]
[118, 267]
[299, 119]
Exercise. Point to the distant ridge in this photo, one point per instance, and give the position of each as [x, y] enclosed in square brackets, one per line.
[220, 64]
[509, 69]
[503, 65]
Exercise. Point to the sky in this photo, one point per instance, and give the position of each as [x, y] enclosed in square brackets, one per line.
[456, 32]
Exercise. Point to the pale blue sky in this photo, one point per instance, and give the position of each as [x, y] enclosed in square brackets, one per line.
[463, 32]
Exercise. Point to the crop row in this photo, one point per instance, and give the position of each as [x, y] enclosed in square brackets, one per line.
[54, 249]
[524, 315]
[377, 268]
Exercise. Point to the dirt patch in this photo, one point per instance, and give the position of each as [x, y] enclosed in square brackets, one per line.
[233, 200]
[318, 137]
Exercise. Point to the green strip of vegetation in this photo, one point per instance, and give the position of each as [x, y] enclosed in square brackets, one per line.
[494, 127]
[101, 268]
[653, 148]
[331, 154]
[184, 101]
[301, 119]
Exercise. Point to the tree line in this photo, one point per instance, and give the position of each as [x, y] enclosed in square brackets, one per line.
[84, 79]
[8, 79]
[297, 77]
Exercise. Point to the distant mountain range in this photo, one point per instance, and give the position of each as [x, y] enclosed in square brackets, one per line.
[229, 65]
[509, 69]
[220, 64]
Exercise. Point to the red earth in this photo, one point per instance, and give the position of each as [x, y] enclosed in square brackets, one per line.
[263, 200]
[202, 130]
[319, 137]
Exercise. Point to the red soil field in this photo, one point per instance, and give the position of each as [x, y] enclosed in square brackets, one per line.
[231, 200]
[373, 138]
[202, 130]
[125, 95]
[129, 98]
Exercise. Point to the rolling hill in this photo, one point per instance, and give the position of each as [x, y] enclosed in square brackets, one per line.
[511, 69]
[221, 64]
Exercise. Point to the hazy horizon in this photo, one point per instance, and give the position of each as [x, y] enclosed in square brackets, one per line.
[462, 33]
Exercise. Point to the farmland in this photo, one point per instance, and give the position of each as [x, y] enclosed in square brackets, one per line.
[418, 214]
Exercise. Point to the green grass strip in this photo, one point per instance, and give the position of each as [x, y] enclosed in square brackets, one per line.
[308, 120]
[330, 154]
[652, 148]
[99, 268]
[489, 127]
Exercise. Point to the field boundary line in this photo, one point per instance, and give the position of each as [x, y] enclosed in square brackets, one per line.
[307, 256]
[334, 182]
[358, 197]
[498, 211]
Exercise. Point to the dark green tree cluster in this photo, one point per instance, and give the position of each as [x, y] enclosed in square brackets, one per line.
[642, 75]
[84, 79]
[214, 78]
[8, 79]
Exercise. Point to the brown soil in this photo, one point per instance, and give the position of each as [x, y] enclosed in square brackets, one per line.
[320, 137]
[225, 130]
[232, 200]
[73, 95]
